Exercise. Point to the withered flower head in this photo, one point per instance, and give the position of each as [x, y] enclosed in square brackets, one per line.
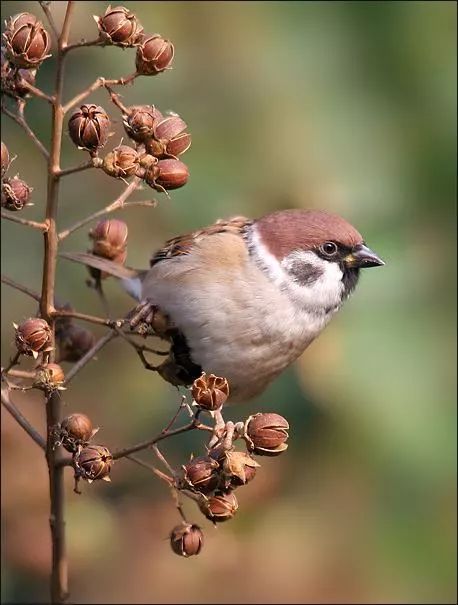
[109, 238]
[220, 507]
[49, 377]
[122, 162]
[75, 431]
[15, 193]
[119, 26]
[166, 175]
[154, 54]
[170, 138]
[89, 127]
[93, 462]
[15, 79]
[140, 122]
[210, 391]
[5, 158]
[239, 468]
[33, 336]
[186, 540]
[201, 474]
[266, 434]
[74, 342]
[27, 41]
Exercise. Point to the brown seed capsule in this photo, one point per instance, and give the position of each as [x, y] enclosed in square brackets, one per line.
[49, 377]
[140, 122]
[239, 468]
[122, 162]
[266, 434]
[186, 540]
[119, 26]
[89, 127]
[74, 342]
[75, 431]
[154, 54]
[33, 336]
[5, 158]
[15, 80]
[220, 507]
[167, 174]
[27, 41]
[110, 238]
[169, 138]
[210, 392]
[93, 462]
[15, 194]
[201, 473]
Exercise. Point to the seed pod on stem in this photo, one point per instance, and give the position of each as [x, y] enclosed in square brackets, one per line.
[167, 174]
[15, 194]
[210, 392]
[49, 377]
[75, 431]
[109, 238]
[265, 434]
[186, 540]
[201, 474]
[33, 336]
[140, 121]
[27, 41]
[93, 462]
[122, 162]
[220, 507]
[154, 55]
[89, 127]
[170, 138]
[239, 468]
[119, 26]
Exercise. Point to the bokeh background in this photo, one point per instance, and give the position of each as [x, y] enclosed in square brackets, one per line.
[348, 106]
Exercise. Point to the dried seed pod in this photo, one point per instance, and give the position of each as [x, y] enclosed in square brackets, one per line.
[33, 336]
[167, 174]
[201, 474]
[49, 377]
[239, 468]
[75, 431]
[122, 162]
[265, 434]
[154, 54]
[89, 127]
[220, 507]
[109, 238]
[210, 392]
[140, 122]
[119, 26]
[27, 41]
[15, 194]
[170, 138]
[93, 462]
[186, 540]
[15, 80]
[74, 342]
[5, 159]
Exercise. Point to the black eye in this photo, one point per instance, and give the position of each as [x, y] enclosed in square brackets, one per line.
[329, 248]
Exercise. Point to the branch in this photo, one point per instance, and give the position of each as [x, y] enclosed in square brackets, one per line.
[109, 323]
[99, 83]
[19, 119]
[82, 43]
[84, 166]
[21, 288]
[24, 221]
[118, 203]
[37, 92]
[79, 365]
[52, 24]
[22, 421]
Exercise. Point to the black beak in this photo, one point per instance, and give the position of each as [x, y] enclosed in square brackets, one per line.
[362, 257]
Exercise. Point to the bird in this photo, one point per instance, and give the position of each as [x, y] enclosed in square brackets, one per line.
[243, 298]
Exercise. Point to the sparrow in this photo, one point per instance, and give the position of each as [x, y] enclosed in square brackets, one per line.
[244, 298]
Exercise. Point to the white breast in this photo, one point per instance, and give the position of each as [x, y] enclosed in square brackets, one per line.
[237, 321]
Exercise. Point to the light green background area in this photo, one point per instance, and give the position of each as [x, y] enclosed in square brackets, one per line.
[347, 106]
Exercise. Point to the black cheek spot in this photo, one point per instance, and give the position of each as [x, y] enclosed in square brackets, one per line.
[304, 274]
[350, 279]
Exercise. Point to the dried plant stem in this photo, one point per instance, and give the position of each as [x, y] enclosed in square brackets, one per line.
[84, 43]
[37, 92]
[79, 365]
[101, 321]
[118, 203]
[45, 6]
[24, 221]
[22, 421]
[21, 288]
[19, 119]
[84, 166]
[99, 83]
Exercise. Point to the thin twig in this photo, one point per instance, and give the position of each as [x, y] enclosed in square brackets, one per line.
[84, 43]
[22, 420]
[37, 92]
[101, 321]
[79, 365]
[21, 288]
[84, 166]
[118, 203]
[19, 373]
[163, 459]
[24, 221]
[99, 83]
[23, 124]
[52, 24]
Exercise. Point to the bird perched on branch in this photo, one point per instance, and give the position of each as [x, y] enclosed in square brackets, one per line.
[244, 298]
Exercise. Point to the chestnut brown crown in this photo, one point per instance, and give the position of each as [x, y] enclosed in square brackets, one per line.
[288, 230]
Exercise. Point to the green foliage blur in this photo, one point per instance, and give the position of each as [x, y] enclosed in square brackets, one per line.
[347, 106]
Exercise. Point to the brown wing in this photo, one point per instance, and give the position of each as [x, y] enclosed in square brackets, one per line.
[183, 244]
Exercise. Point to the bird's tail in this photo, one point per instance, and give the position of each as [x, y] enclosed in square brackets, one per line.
[130, 278]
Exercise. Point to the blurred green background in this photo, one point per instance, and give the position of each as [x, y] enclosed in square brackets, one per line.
[347, 106]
